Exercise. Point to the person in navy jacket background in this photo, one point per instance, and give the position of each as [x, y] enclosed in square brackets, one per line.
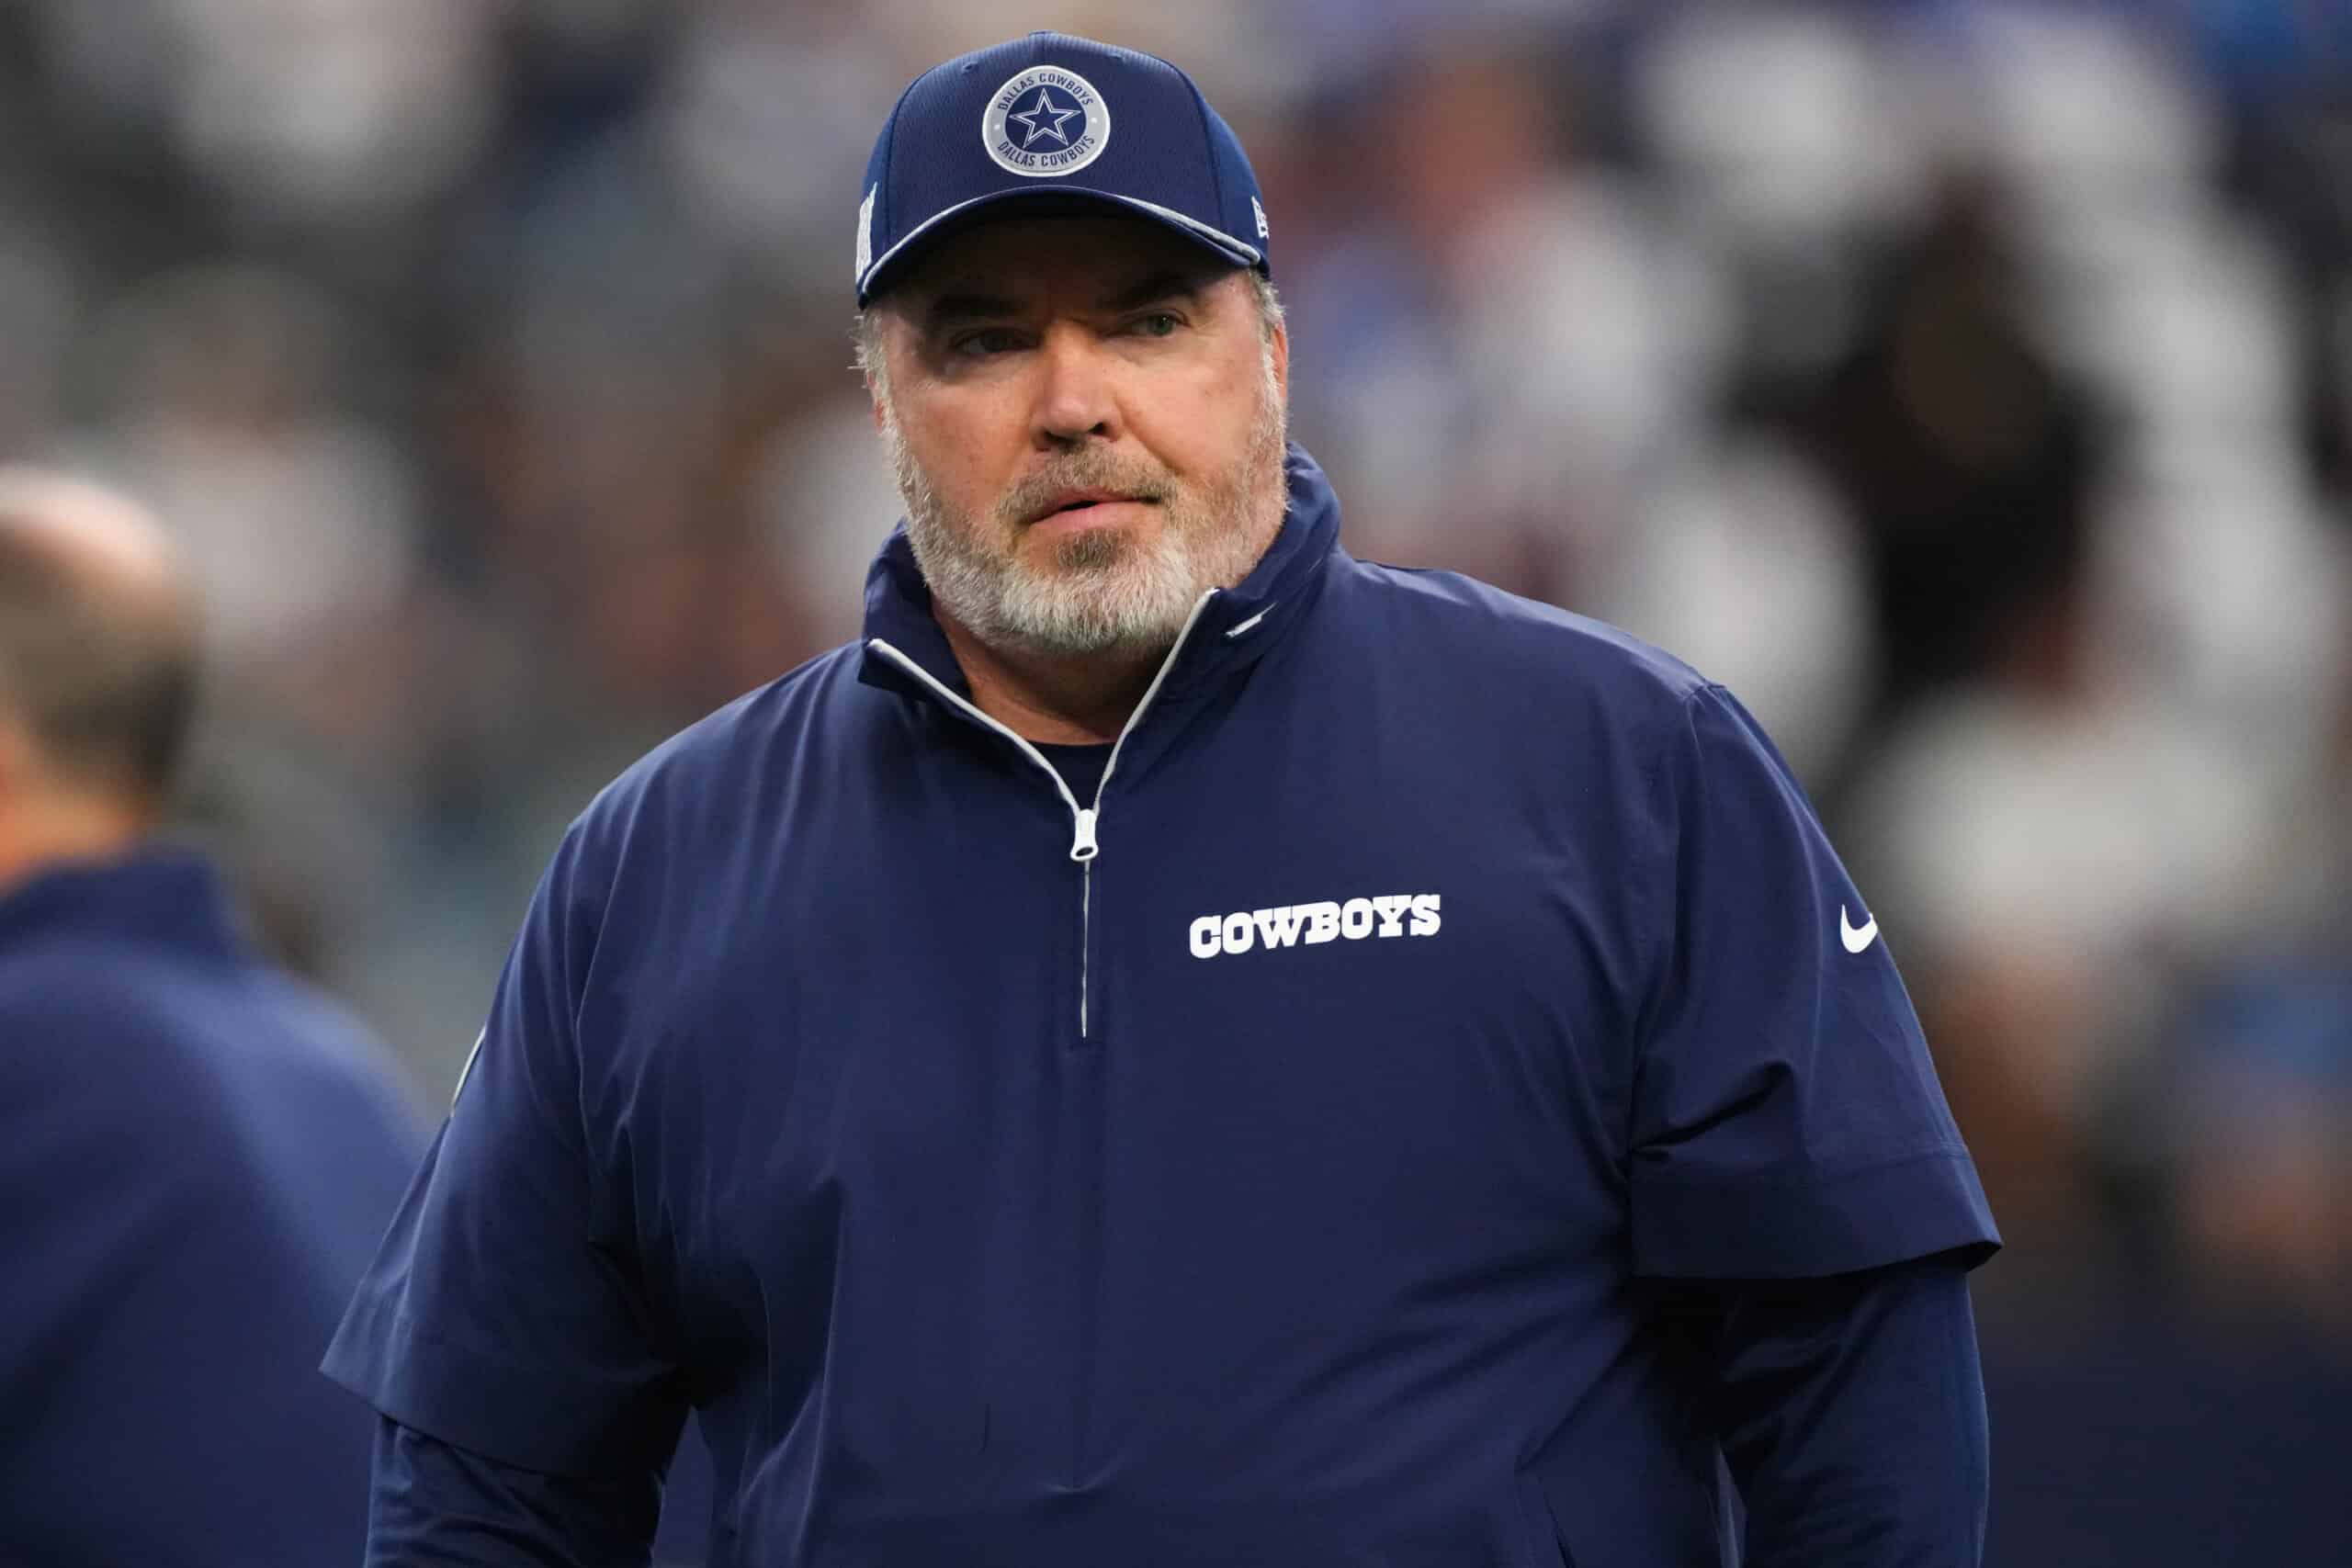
[198, 1154]
[1181, 1046]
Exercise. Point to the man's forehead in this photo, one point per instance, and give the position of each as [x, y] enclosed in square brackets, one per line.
[1085, 260]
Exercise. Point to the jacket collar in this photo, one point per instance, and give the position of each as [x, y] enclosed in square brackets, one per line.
[1236, 629]
[155, 896]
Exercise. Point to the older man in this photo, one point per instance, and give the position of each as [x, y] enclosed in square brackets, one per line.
[198, 1154]
[1180, 1047]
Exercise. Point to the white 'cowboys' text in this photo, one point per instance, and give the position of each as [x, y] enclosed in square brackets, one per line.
[1390, 914]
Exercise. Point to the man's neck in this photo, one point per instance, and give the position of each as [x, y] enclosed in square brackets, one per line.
[50, 833]
[1061, 702]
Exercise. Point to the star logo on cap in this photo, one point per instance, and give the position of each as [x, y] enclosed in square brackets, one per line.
[1046, 123]
[1044, 110]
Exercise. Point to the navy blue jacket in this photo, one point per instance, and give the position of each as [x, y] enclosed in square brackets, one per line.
[197, 1158]
[1275, 1159]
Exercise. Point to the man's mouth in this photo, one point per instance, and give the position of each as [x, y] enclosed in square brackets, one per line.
[1072, 501]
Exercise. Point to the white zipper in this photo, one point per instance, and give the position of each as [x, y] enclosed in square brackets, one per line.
[1083, 845]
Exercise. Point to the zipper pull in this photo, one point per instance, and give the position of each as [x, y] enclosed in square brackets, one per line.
[1082, 846]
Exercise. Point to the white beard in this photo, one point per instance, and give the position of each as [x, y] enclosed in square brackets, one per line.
[1103, 591]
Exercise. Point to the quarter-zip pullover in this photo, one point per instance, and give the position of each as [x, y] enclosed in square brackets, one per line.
[1278, 1159]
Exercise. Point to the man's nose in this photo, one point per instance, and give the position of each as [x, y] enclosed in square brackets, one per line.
[1075, 396]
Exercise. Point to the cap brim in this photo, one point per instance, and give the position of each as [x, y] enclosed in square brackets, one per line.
[1050, 199]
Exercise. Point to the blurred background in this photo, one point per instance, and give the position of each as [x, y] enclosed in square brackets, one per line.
[1969, 386]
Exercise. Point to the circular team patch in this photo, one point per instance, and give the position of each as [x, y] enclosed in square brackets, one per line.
[1045, 122]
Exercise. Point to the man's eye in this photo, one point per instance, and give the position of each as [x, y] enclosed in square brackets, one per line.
[988, 340]
[1159, 323]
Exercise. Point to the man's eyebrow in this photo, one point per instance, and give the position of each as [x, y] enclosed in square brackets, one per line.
[968, 305]
[1158, 286]
[949, 309]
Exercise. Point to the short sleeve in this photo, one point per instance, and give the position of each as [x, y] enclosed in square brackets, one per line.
[505, 1313]
[1786, 1117]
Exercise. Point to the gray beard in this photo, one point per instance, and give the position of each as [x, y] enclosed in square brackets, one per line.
[1103, 592]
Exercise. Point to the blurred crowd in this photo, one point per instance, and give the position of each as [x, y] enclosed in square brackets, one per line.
[1969, 386]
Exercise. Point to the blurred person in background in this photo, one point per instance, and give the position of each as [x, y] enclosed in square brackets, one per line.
[856, 1084]
[197, 1153]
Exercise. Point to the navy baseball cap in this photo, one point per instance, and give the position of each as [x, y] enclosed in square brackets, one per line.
[1053, 122]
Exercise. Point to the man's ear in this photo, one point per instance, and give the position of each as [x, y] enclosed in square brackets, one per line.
[873, 353]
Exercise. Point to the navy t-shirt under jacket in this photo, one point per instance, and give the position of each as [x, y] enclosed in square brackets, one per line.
[1276, 1159]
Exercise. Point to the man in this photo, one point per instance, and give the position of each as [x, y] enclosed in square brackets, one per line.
[1181, 1047]
[197, 1154]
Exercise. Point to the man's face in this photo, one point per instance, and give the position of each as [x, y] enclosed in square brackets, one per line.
[1086, 419]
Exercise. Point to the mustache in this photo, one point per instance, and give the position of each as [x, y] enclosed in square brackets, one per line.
[1095, 470]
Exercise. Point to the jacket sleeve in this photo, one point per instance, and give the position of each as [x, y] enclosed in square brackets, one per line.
[1851, 1411]
[506, 1313]
[1786, 1120]
[435, 1503]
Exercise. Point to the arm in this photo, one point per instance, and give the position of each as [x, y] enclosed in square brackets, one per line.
[508, 1314]
[455, 1508]
[1794, 1168]
[1851, 1411]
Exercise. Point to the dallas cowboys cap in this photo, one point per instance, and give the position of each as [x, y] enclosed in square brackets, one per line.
[1053, 122]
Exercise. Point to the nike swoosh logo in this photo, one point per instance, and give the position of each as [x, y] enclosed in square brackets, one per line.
[1856, 940]
[467, 1070]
